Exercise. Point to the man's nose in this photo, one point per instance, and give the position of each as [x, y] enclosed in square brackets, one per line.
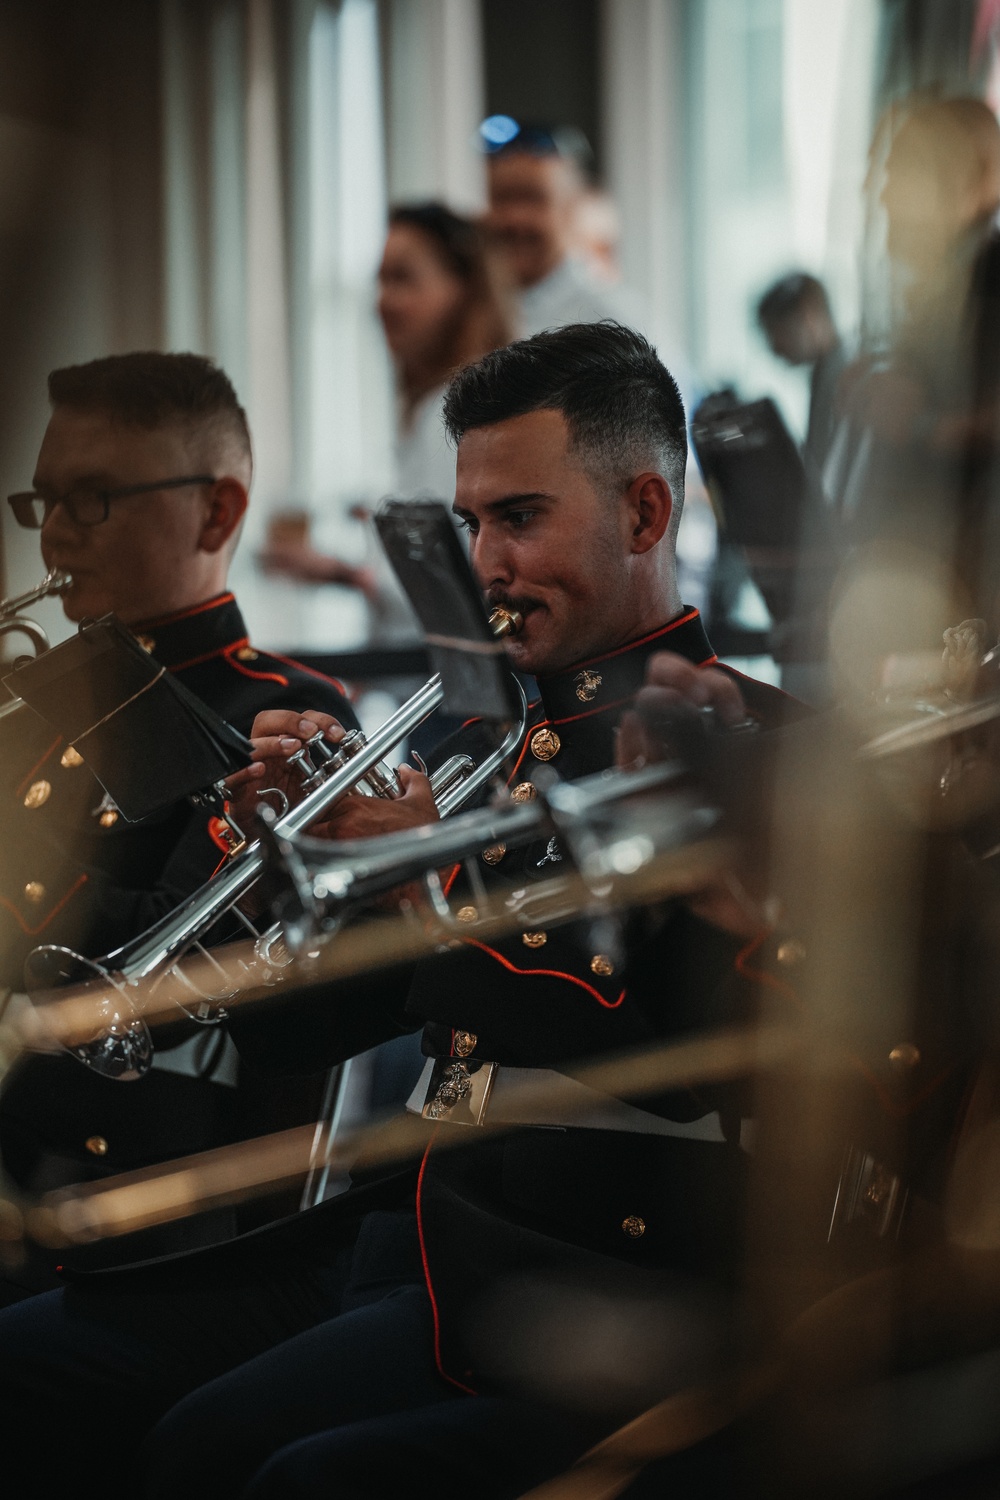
[491, 559]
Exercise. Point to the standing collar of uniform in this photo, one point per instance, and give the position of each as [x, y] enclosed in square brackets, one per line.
[190, 635]
[609, 681]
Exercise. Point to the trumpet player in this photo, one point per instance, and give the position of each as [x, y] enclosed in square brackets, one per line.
[139, 493]
[438, 1325]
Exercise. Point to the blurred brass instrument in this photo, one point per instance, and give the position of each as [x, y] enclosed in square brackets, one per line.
[14, 621]
[122, 1047]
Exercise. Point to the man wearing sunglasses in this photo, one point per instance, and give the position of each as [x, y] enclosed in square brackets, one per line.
[139, 492]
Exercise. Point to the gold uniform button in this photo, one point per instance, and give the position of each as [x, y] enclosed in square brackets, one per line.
[467, 914]
[34, 891]
[494, 854]
[534, 939]
[96, 1145]
[38, 794]
[146, 642]
[108, 818]
[791, 952]
[601, 965]
[545, 744]
[465, 1043]
[70, 757]
[634, 1227]
[904, 1057]
[524, 792]
[247, 653]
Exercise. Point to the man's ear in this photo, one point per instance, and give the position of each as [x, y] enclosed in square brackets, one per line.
[227, 504]
[649, 506]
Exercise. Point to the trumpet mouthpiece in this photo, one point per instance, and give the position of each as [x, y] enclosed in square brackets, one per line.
[505, 621]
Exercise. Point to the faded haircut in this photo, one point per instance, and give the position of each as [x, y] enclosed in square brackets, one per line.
[149, 389]
[621, 404]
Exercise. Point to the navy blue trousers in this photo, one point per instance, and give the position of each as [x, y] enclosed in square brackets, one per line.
[159, 1383]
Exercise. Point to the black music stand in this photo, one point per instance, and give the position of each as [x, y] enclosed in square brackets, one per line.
[147, 738]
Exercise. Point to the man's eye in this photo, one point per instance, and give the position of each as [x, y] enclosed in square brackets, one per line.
[468, 523]
[520, 517]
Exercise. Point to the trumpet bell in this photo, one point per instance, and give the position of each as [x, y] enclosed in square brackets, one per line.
[102, 1030]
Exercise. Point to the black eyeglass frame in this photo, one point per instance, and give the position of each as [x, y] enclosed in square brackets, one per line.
[20, 503]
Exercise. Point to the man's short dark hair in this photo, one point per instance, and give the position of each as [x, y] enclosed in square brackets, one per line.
[787, 297]
[621, 404]
[149, 389]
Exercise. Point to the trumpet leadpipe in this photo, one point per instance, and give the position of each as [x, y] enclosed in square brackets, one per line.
[505, 621]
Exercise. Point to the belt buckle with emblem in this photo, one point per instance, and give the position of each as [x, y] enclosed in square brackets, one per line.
[868, 1193]
[459, 1090]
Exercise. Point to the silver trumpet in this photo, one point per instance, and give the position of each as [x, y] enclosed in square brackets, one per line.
[610, 825]
[122, 1047]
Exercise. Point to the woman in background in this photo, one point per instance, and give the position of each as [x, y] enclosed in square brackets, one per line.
[442, 304]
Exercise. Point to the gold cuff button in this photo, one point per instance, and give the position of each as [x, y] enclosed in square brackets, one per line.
[34, 891]
[467, 914]
[494, 854]
[534, 939]
[38, 794]
[904, 1057]
[601, 965]
[545, 743]
[634, 1227]
[524, 792]
[790, 952]
[70, 757]
[96, 1145]
[465, 1043]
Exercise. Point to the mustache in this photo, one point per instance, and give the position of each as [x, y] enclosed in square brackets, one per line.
[521, 603]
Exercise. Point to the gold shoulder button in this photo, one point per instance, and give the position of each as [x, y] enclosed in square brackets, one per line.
[790, 952]
[634, 1227]
[70, 757]
[534, 939]
[545, 743]
[38, 793]
[467, 914]
[34, 892]
[602, 966]
[904, 1057]
[247, 653]
[96, 1145]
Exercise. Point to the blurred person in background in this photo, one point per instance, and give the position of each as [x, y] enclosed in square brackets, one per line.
[921, 414]
[598, 234]
[442, 304]
[537, 190]
[795, 318]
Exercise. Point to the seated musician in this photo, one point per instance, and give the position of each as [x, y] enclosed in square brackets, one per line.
[395, 1340]
[139, 493]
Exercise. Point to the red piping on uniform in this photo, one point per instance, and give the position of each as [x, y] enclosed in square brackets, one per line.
[310, 671]
[34, 931]
[761, 975]
[451, 879]
[56, 742]
[692, 614]
[196, 661]
[430, 1285]
[548, 974]
[185, 614]
[257, 676]
[524, 749]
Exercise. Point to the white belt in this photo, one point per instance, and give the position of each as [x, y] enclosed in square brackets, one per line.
[501, 1094]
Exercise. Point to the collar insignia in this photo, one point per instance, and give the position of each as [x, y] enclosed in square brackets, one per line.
[587, 684]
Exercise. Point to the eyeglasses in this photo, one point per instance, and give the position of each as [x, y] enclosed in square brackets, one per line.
[86, 506]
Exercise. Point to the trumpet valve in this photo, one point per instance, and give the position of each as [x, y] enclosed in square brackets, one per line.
[505, 621]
